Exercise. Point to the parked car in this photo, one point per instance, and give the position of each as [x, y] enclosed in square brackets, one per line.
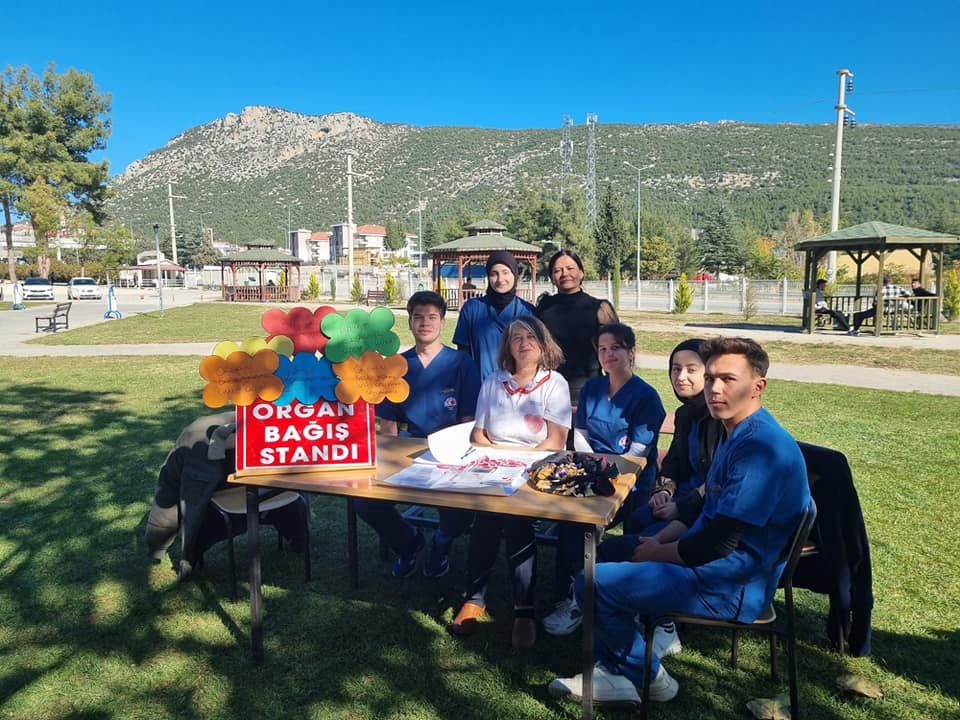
[81, 288]
[37, 288]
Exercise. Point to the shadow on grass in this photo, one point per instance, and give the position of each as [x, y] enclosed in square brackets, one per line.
[92, 630]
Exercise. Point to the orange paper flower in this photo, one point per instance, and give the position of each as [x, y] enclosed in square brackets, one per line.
[373, 378]
[240, 378]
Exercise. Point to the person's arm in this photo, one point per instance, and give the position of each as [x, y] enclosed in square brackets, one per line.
[606, 314]
[556, 437]
[715, 539]
[671, 532]
[478, 436]
[389, 427]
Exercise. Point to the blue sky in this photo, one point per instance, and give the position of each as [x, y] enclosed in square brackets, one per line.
[172, 65]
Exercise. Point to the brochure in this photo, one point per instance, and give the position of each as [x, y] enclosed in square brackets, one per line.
[488, 471]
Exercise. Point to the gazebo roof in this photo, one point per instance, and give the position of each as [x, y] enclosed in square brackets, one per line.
[484, 226]
[486, 242]
[877, 235]
[261, 251]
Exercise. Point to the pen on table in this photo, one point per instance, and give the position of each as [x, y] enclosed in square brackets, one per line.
[471, 450]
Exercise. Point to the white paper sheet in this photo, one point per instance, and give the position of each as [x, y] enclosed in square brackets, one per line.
[450, 445]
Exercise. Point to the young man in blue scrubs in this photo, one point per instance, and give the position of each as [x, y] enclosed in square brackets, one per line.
[728, 564]
[444, 385]
[483, 319]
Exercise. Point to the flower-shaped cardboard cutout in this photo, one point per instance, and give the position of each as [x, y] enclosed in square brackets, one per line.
[357, 332]
[307, 379]
[280, 344]
[300, 325]
[240, 378]
[372, 378]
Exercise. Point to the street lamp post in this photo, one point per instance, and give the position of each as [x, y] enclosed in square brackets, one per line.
[638, 223]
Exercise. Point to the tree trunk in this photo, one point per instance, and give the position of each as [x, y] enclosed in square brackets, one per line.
[8, 233]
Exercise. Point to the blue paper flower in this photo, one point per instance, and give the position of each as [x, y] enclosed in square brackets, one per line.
[307, 379]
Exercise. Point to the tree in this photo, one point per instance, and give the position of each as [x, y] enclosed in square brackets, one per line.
[206, 254]
[612, 235]
[683, 295]
[719, 250]
[390, 289]
[395, 239]
[657, 257]
[48, 128]
[535, 217]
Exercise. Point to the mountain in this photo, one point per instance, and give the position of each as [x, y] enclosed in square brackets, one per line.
[244, 171]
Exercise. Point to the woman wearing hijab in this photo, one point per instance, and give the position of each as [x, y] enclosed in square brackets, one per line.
[573, 318]
[483, 319]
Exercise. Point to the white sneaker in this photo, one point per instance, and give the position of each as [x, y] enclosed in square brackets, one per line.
[663, 688]
[565, 618]
[607, 687]
[666, 640]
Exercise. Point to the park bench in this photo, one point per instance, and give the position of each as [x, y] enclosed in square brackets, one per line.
[378, 297]
[58, 318]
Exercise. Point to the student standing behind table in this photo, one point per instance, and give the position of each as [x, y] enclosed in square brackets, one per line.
[573, 318]
[526, 402]
[618, 414]
[444, 384]
[729, 564]
[483, 319]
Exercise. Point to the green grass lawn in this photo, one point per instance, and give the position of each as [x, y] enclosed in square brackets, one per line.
[91, 630]
[207, 322]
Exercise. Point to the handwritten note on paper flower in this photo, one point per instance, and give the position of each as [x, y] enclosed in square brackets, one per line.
[240, 378]
[358, 332]
[372, 378]
[307, 379]
[301, 325]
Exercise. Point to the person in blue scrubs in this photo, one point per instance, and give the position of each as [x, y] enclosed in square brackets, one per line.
[620, 414]
[482, 320]
[444, 385]
[729, 563]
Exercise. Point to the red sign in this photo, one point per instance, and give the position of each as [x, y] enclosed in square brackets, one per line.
[325, 435]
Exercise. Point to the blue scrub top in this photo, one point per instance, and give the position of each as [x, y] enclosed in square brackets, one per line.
[633, 415]
[759, 477]
[480, 327]
[440, 394]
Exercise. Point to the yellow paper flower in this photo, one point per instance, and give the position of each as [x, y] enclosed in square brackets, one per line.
[240, 378]
[373, 378]
[281, 344]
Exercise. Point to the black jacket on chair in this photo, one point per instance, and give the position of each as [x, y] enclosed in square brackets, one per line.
[841, 568]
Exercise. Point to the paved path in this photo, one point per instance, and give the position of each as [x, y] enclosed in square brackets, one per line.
[18, 327]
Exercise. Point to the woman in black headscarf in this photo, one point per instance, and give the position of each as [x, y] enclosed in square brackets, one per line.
[573, 318]
[483, 319]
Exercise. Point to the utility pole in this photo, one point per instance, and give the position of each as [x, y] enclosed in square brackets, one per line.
[645, 167]
[173, 227]
[592, 170]
[349, 217]
[844, 115]
[156, 242]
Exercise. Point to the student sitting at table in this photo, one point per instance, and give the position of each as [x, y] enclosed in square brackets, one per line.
[677, 497]
[444, 384]
[618, 413]
[526, 402]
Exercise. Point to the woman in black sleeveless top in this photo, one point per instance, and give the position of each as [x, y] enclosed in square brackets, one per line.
[573, 318]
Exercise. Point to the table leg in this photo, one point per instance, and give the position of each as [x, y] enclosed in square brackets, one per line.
[590, 533]
[352, 560]
[253, 550]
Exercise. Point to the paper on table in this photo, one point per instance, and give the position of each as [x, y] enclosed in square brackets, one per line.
[449, 445]
[486, 471]
[580, 441]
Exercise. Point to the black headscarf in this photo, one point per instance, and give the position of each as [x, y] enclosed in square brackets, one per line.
[698, 401]
[497, 299]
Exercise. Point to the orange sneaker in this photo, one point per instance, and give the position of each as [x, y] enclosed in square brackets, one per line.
[465, 623]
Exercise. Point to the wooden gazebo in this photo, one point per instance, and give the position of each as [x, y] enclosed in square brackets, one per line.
[237, 270]
[483, 237]
[877, 240]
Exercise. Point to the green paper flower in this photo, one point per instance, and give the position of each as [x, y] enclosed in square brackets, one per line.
[357, 332]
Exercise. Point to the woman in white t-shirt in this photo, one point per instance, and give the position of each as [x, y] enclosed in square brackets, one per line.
[526, 402]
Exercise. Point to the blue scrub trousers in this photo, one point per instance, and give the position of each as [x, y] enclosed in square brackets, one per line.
[650, 590]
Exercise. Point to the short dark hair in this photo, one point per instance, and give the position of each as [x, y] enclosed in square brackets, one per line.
[564, 253]
[551, 356]
[623, 333]
[821, 281]
[750, 349]
[427, 297]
